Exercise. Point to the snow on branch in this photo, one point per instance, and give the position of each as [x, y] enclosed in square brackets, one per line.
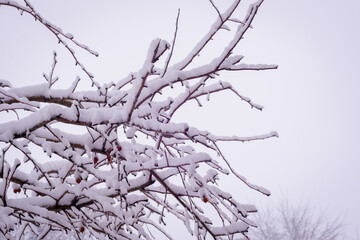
[63, 38]
[130, 165]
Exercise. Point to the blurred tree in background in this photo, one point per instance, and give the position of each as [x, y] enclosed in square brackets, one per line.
[287, 221]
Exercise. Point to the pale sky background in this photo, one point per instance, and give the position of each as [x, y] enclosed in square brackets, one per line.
[312, 100]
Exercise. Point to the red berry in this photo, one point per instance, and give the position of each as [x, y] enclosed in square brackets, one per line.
[82, 229]
[96, 159]
[17, 190]
[205, 199]
[78, 180]
[119, 148]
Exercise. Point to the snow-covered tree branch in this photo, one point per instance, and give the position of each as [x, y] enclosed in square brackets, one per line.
[130, 162]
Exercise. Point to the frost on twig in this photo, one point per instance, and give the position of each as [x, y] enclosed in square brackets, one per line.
[132, 165]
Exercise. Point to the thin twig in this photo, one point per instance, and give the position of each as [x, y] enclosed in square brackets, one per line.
[173, 45]
[217, 10]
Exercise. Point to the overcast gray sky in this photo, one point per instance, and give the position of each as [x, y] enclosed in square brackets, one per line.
[312, 100]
